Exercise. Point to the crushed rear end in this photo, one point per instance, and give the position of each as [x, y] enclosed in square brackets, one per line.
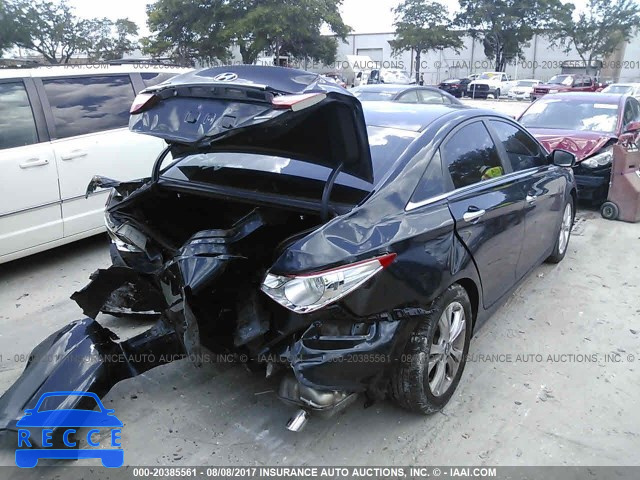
[227, 247]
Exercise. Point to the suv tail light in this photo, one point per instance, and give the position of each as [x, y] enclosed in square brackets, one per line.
[310, 292]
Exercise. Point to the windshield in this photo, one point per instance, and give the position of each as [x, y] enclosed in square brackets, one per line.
[582, 115]
[526, 83]
[369, 96]
[487, 76]
[561, 80]
[621, 89]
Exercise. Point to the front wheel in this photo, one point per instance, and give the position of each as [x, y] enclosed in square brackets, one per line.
[562, 242]
[434, 358]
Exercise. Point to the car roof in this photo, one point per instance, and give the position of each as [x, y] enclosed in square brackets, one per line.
[71, 70]
[414, 116]
[595, 96]
[624, 84]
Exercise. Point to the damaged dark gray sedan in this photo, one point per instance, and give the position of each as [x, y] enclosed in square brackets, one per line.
[351, 250]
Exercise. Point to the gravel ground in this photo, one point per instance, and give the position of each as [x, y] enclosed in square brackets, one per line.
[538, 390]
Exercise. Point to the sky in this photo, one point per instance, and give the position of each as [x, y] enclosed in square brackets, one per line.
[363, 16]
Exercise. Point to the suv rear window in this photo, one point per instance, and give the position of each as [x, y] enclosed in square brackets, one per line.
[84, 105]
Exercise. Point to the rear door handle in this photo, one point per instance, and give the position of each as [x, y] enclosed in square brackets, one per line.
[531, 199]
[34, 162]
[473, 215]
[74, 154]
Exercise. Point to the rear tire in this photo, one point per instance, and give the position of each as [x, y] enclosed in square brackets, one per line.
[562, 241]
[609, 210]
[435, 356]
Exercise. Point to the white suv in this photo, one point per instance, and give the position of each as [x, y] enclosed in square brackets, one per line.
[60, 126]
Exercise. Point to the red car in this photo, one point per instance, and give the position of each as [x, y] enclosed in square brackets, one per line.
[565, 83]
[587, 125]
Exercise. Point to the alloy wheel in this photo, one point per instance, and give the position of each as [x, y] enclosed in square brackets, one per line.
[565, 229]
[447, 349]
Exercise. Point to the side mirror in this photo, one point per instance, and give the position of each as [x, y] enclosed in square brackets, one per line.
[632, 127]
[562, 158]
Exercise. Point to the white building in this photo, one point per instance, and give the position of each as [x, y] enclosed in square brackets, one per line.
[541, 60]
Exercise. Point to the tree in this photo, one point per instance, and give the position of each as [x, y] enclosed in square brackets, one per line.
[189, 29]
[52, 30]
[48, 28]
[423, 26]
[111, 40]
[506, 26]
[7, 27]
[600, 29]
[288, 27]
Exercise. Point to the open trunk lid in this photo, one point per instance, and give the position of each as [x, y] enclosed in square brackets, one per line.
[257, 109]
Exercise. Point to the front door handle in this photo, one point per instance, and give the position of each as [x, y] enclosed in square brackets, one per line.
[34, 162]
[473, 215]
[74, 154]
[531, 199]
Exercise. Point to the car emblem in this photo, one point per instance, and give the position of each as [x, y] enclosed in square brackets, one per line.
[225, 77]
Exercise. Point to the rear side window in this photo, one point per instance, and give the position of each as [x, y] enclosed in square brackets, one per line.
[427, 96]
[409, 97]
[89, 104]
[154, 78]
[522, 150]
[17, 125]
[431, 184]
[471, 156]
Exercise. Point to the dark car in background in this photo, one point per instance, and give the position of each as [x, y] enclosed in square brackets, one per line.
[455, 86]
[565, 83]
[348, 251]
[403, 94]
[587, 125]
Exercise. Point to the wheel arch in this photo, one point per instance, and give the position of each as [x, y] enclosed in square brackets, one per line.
[474, 295]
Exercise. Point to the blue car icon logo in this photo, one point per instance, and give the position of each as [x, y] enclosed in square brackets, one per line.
[66, 422]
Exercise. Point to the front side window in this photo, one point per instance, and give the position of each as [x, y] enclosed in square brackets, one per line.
[84, 105]
[471, 156]
[522, 150]
[17, 125]
[631, 112]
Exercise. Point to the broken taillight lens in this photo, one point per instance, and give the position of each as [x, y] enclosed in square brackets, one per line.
[310, 292]
[142, 102]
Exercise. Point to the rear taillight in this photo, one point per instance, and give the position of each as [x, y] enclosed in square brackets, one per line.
[142, 102]
[298, 102]
[309, 292]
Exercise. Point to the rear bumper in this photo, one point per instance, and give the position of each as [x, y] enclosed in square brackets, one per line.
[353, 362]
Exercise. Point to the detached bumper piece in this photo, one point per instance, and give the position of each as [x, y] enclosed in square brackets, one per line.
[84, 356]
